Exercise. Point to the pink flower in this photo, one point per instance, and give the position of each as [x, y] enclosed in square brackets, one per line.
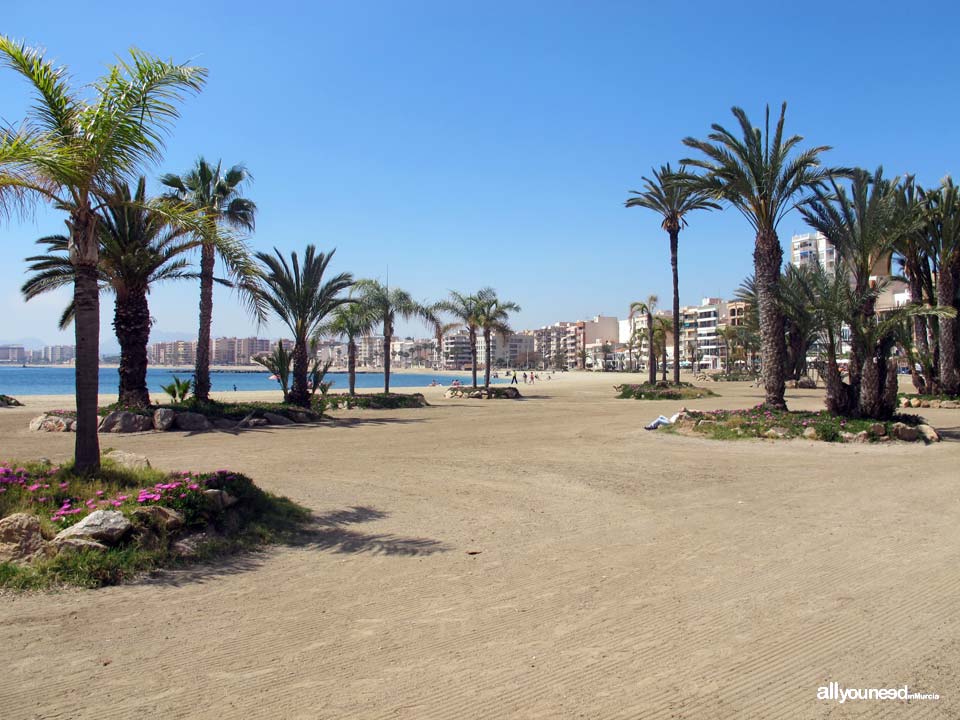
[99, 493]
[64, 486]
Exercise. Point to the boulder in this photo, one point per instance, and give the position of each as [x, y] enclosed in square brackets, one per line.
[904, 402]
[807, 383]
[301, 417]
[188, 547]
[163, 419]
[257, 422]
[71, 426]
[51, 423]
[129, 460]
[511, 392]
[224, 424]
[949, 404]
[20, 538]
[37, 423]
[878, 429]
[776, 433]
[191, 422]
[275, 419]
[924, 403]
[935, 403]
[67, 545]
[157, 516]
[476, 395]
[810, 433]
[905, 432]
[915, 402]
[928, 433]
[219, 499]
[107, 526]
[121, 421]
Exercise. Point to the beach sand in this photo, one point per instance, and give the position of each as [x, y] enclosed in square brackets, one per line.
[544, 558]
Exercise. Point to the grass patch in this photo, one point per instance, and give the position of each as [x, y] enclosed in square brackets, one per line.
[662, 391]
[761, 422]
[735, 376]
[213, 409]
[59, 498]
[376, 401]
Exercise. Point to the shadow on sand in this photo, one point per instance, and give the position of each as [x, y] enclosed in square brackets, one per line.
[329, 532]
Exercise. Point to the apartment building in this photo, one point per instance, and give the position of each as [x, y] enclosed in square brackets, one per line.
[512, 350]
[13, 354]
[711, 349]
[177, 352]
[456, 354]
[810, 248]
[248, 348]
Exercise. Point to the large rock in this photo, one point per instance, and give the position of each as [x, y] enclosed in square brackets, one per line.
[219, 499]
[928, 433]
[121, 421]
[20, 538]
[189, 546]
[301, 417]
[915, 402]
[163, 419]
[275, 419]
[50, 423]
[130, 460]
[107, 526]
[810, 433]
[949, 404]
[224, 424]
[775, 433]
[191, 422]
[67, 545]
[878, 429]
[158, 516]
[807, 383]
[904, 432]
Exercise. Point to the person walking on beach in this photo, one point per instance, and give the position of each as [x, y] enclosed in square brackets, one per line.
[524, 378]
[513, 380]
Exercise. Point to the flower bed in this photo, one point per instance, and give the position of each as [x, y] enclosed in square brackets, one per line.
[662, 391]
[762, 422]
[376, 401]
[60, 528]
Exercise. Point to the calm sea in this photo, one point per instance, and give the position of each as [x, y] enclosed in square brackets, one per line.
[60, 381]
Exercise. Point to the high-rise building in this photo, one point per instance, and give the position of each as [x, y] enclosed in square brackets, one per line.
[810, 248]
[13, 354]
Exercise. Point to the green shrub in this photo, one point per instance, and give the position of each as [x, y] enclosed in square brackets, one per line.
[661, 391]
[376, 401]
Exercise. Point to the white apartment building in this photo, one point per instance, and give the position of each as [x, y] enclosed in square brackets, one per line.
[809, 248]
[711, 349]
[513, 350]
[456, 351]
[13, 354]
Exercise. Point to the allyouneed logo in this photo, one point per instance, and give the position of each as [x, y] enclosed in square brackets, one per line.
[833, 691]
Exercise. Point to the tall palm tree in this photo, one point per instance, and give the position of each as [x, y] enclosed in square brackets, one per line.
[944, 234]
[350, 321]
[216, 195]
[647, 308]
[138, 248]
[433, 317]
[468, 310]
[301, 297]
[494, 318]
[760, 175]
[672, 199]
[68, 153]
[388, 305]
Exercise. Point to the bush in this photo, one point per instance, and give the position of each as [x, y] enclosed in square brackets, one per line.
[61, 498]
[376, 401]
[662, 391]
[214, 410]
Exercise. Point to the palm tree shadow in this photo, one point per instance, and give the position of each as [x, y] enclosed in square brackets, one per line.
[952, 433]
[328, 532]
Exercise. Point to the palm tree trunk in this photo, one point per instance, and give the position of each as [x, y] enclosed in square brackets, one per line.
[920, 382]
[838, 393]
[663, 369]
[300, 394]
[674, 242]
[949, 380]
[131, 323]
[352, 365]
[486, 364]
[651, 351]
[767, 258]
[387, 337]
[201, 381]
[473, 354]
[84, 256]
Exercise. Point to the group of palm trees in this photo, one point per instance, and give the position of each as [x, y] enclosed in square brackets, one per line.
[868, 219]
[80, 154]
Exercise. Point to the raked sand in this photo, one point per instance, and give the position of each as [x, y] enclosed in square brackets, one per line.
[544, 558]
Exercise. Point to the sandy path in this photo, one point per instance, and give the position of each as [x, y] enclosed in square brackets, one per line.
[620, 574]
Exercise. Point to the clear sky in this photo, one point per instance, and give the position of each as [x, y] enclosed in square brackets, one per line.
[464, 144]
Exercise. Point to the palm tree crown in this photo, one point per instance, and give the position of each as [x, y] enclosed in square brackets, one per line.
[389, 304]
[494, 317]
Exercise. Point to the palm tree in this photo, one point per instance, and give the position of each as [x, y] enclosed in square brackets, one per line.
[647, 308]
[351, 321]
[468, 310]
[302, 299]
[662, 328]
[944, 234]
[433, 317]
[137, 249]
[494, 318]
[216, 196]
[673, 200]
[760, 176]
[387, 306]
[68, 153]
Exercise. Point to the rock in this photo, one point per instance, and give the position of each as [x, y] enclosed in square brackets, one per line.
[163, 419]
[129, 460]
[476, 395]
[924, 403]
[511, 392]
[157, 516]
[949, 404]
[67, 545]
[121, 421]
[55, 423]
[105, 525]
[246, 421]
[935, 403]
[71, 426]
[224, 424]
[219, 499]
[20, 538]
[928, 433]
[704, 423]
[301, 417]
[191, 422]
[905, 432]
[862, 437]
[878, 429]
[807, 383]
[37, 423]
[258, 422]
[915, 402]
[810, 433]
[776, 433]
[904, 402]
[275, 419]
[188, 546]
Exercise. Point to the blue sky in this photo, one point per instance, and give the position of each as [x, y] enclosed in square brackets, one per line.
[470, 144]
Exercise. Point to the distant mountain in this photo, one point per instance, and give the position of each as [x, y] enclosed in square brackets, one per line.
[30, 343]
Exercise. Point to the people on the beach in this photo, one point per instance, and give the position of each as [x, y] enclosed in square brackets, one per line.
[513, 381]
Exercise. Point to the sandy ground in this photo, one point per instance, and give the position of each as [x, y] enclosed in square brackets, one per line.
[543, 558]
